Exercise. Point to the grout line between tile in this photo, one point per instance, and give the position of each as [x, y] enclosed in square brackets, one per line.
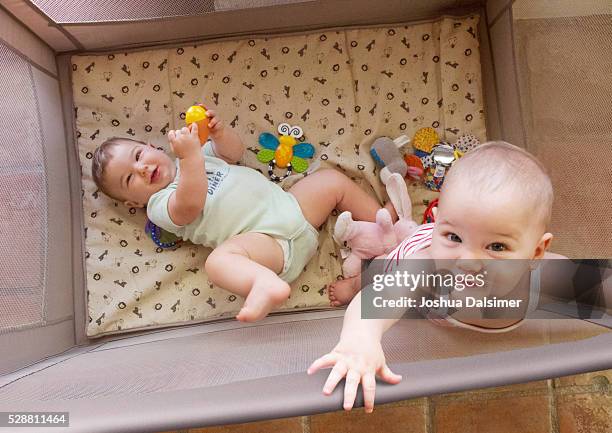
[305, 424]
[485, 394]
[429, 408]
[552, 401]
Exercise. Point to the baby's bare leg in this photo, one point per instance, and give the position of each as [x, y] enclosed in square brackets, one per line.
[325, 190]
[247, 265]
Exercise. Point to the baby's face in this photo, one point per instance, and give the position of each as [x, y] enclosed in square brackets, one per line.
[136, 172]
[476, 233]
[495, 226]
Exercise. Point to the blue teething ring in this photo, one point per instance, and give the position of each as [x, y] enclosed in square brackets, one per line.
[156, 233]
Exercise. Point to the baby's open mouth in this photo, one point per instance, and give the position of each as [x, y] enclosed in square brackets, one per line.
[155, 174]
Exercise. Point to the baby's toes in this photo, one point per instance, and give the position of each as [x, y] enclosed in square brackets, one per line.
[241, 316]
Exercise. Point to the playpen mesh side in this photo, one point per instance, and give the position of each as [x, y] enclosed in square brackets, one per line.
[74, 11]
[36, 302]
[86, 11]
[563, 67]
[23, 198]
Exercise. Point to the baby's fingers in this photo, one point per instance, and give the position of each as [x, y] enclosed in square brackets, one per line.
[368, 383]
[335, 376]
[350, 388]
[214, 123]
[194, 129]
[387, 375]
[323, 362]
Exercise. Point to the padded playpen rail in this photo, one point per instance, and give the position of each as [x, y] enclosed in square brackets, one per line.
[198, 389]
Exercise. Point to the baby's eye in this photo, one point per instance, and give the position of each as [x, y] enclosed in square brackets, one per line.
[497, 247]
[453, 237]
[138, 155]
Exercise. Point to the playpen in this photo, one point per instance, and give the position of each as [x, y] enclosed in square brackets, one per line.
[95, 321]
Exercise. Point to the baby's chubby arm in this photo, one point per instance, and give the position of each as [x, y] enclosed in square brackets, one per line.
[187, 202]
[358, 356]
[228, 145]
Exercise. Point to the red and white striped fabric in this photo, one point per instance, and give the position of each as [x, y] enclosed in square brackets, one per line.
[421, 238]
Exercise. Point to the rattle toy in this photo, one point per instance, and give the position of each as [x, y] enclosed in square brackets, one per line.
[443, 157]
[386, 153]
[284, 151]
[161, 237]
[197, 114]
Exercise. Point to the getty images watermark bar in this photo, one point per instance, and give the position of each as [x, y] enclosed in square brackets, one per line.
[34, 419]
[487, 289]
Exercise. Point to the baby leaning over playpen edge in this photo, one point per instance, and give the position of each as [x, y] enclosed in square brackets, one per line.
[495, 204]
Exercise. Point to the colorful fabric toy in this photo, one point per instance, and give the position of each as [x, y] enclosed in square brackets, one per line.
[437, 157]
[284, 151]
[367, 239]
[466, 142]
[425, 139]
[415, 165]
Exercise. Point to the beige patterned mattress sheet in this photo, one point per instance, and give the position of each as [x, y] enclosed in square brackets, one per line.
[344, 88]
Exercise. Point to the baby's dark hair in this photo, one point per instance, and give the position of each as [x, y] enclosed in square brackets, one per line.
[102, 155]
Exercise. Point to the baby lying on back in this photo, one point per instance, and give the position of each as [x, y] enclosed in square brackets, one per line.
[262, 236]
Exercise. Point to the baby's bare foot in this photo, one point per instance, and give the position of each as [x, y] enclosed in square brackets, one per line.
[267, 292]
[341, 292]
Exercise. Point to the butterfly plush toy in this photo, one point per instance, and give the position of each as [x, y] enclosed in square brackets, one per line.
[284, 151]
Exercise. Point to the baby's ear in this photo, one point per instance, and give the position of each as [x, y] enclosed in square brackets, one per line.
[129, 203]
[542, 245]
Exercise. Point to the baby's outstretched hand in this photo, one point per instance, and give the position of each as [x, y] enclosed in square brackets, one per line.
[215, 124]
[360, 363]
[185, 142]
